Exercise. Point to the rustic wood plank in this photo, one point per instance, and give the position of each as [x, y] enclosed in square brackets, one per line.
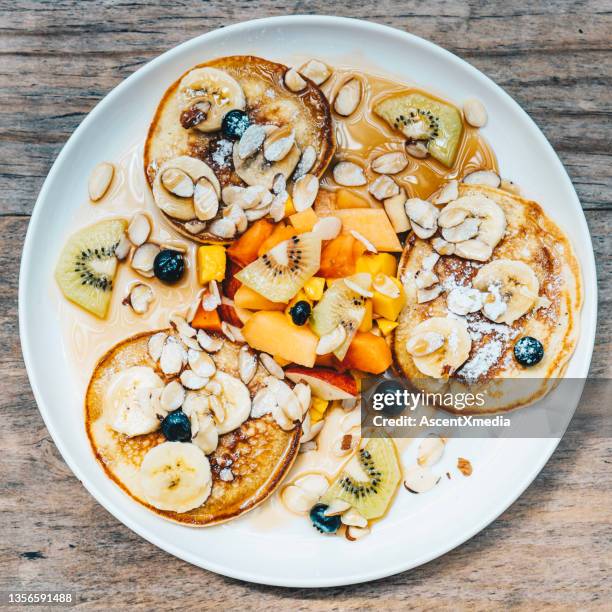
[57, 60]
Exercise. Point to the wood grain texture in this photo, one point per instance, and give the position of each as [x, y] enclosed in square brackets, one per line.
[551, 549]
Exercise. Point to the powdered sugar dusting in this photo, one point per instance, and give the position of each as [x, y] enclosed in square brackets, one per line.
[223, 153]
[482, 361]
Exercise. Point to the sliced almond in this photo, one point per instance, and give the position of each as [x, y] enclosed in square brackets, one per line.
[271, 365]
[311, 430]
[238, 217]
[195, 227]
[277, 208]
[331, 341]
[140, 297]
[293, 81]
[247, 364]
[336, 507]
[383, 284]
[251, 141]
[425, 279]
[190, 380]
[173, 396]
[424, 343]
[209, 301]
[483, 177]
[208, 343]
[316, 71]
[451, 217]
[353, 518]
[356, 533]
[464, 300]
[429, 262]
[139, 229]
[122, 250]
[427, 295]
[348, 98]
[417, 149]
[177, 182]
[278, 144]
[475, 112]
[303, 393]
[232, 332]
[256, 214]
[384, 187]
[181, 326]
[305, 191]
[360, 284]
[205, 200]
[224, 228]
[327, 228]
[100, 180]
[430, 451]
[307, 161]
[172, 357]
[348, 174]
[447, 194]
[263, 403]
[394, 207]
[156, 344]
[464, 231]
[144, 257]
[245, 197]
[201, 363]
[422, 214]
[473, 249]
[390, 163]
[366, 243]
[418, 479]
[443, 247]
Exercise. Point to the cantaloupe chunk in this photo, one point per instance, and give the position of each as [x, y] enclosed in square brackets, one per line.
[205, 319]
[339, 255]
[245, 297]
[372, 223]
[304, 221]
[369, 353]
[273, 333]
[244, 250]
[280, 234]
[349, 199]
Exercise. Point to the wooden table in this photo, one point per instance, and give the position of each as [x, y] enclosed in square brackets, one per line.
[58, 59]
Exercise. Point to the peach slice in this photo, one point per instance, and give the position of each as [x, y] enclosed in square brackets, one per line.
[325, 383]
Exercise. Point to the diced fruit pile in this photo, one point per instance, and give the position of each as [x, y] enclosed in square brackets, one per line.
[311, 290]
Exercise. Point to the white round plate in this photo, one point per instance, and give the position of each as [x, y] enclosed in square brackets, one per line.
[419, 527]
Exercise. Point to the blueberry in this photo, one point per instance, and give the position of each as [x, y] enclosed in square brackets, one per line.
[176, 427]
[234, 124]
[325, 524]
[394, 403]
[528, 351]
[300, 312]
[169, 266]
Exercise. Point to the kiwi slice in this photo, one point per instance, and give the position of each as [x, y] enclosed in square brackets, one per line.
[87, 265]
[369, 480]
[340, 305]
[436, 124]
[281, 272]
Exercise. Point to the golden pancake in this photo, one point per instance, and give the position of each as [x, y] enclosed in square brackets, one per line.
[259, 452]
[267, 101]
[546, 264]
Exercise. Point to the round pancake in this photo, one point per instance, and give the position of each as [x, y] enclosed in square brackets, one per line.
[260, 452]
[531, 237]
[268, 101]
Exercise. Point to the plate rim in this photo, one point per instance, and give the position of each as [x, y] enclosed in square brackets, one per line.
[549, 444]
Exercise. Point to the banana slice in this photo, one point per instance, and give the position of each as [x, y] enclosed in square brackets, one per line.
[175, 185]
[473, 221]
[511, 288]
[133, 401]
[257, 170]
[206, 95]
[176, 476]
[236, 401]
[439, 346]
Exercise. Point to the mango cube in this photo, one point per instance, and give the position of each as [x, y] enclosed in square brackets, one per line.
[386, 326]
[388, 307]
[211, 263]
[379, 263]
[289, 207]
[314, 288]
[318, 407]
[304, 221]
